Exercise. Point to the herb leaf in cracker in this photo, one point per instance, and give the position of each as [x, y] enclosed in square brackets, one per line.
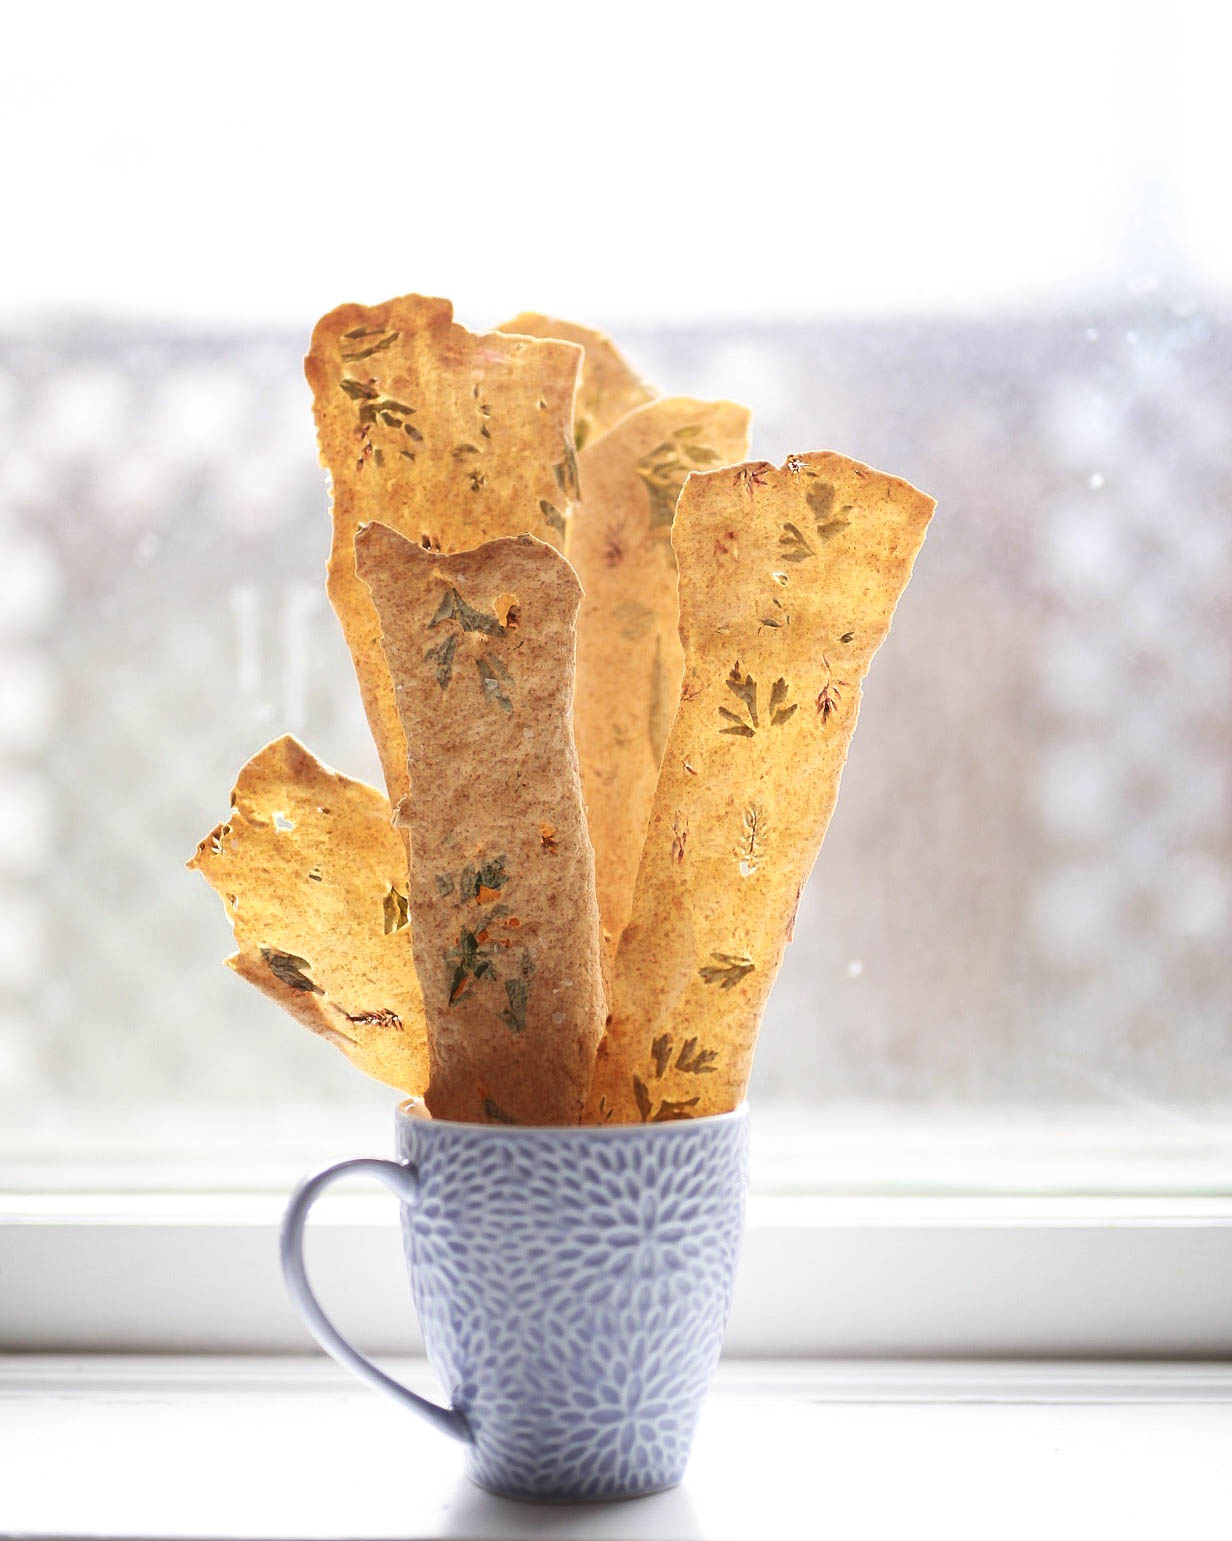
[480, 648]
[788, 582]
[629, 659]
[311, 874]
[448, 436]
[609, 387]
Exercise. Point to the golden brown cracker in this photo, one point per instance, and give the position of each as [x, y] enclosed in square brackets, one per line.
[788, 582]
[311, 874]
[480, 648]
[629, 658]
[609, 386]
[448, 436]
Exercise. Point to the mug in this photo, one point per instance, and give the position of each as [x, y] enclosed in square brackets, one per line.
[572, 1284]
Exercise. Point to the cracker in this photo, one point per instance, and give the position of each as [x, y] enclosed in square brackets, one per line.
[629, 658]
[480, 647]
[609, 387]
[311, 874]
[788, 582]
[450, 437]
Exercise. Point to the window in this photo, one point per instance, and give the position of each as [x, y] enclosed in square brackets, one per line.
[984, 256]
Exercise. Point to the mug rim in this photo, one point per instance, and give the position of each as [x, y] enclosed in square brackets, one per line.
[403, 1116]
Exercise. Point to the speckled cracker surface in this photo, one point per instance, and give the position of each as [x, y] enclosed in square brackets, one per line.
[788, 582]
[311, 874]
[448, 436]
[480, 646]
[609, 386]
[629, 658]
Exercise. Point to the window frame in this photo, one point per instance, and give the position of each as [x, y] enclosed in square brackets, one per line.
[973, 1277]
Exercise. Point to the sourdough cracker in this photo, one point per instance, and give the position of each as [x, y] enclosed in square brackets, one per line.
[448, 436]
[480, 648]
[609, 387]
[788, 582]
[311, 874]
[629, 658]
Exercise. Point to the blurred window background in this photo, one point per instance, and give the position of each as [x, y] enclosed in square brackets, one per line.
[989, 251]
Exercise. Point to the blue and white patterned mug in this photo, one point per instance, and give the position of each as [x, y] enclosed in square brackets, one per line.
[572, 1285]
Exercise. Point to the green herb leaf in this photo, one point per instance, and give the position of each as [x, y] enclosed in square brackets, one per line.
[695, 1061]
[496, 1115]
[495, 679]
[443, 653]
[377, 347]
[745, 687]
[793, 546]
[470, 959]
[820, 499]
[357, 391]
[553, 516]
[489, 875]
[670, 1112]
[514, 1017]
[395, 911]
[454, 607]
[727, 970]
[572, 488]
[290, 969]
[779, 709]
[740, 730]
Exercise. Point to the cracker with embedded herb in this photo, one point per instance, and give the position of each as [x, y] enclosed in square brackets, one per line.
[609, 387]
[480, 648]
[788, 582]
[629, 659]
[311, 874]
[448, 436]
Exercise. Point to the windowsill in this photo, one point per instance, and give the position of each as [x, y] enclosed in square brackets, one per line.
[843, 1150]
[873, 1277]
[217, 1447]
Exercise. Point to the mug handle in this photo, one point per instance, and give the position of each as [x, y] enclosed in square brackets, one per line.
[401, 1178]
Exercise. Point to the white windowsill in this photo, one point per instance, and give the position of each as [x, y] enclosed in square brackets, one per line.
[820, 1277]
[851, 1149]
[258, 1448]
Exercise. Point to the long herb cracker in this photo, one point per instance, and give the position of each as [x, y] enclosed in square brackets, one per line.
[609, 387]
[480, 647]
[629, 658]
[448, 436]
[311, 875]
[788, 582]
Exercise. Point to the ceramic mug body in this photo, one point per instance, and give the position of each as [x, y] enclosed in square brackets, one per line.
[572, 1285]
